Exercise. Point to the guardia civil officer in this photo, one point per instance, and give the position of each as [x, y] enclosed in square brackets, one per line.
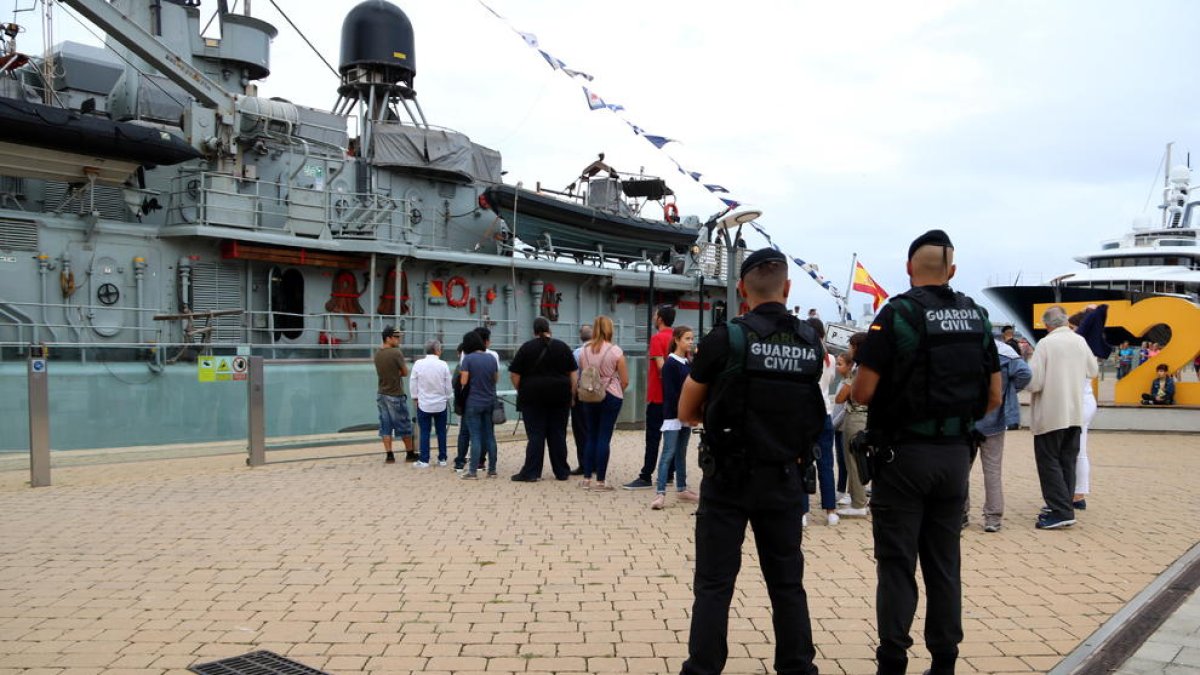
[754, 387]
[928, 369]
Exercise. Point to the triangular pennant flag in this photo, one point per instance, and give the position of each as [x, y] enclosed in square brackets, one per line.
[730, 203]
[575, 73]
[615, 107]
[714, 188]
[554, 63]
[593, 99]
[530, 39]
[695, 176]
[658, 141]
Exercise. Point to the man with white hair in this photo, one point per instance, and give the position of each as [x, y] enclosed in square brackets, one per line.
[430, 384]
[1061, 361]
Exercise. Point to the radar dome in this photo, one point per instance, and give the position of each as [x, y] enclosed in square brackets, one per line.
[378, 37]
[1180, 175]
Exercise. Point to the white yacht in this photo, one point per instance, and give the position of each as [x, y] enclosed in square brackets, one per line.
[1152, 260]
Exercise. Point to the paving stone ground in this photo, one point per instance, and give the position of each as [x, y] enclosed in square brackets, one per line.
[348, 565]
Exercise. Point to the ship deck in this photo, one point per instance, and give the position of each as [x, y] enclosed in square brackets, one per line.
[335, 560]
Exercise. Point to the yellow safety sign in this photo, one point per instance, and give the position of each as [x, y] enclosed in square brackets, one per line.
[206, 369]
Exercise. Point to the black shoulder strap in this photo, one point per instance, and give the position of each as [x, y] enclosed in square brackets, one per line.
[736, 361]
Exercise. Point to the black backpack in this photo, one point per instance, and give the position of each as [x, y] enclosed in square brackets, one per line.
[766, 406]
[945, 379]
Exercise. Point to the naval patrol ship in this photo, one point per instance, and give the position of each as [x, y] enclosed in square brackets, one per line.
[156, 215]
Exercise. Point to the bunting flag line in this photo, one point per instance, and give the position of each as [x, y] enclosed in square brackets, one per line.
[865, 283]
[597, 102]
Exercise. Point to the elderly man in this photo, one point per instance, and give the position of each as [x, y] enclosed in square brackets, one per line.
[431, 390]
[1061, 362]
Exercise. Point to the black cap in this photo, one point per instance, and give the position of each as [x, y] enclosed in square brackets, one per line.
[389, 332]
[761, 257]
[930, 238]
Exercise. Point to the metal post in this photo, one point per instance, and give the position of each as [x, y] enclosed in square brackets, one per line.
[257, 418]
[39, 422]
[731, 301]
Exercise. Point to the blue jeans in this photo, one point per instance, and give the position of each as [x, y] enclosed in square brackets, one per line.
[825, 468]
[674, 450]
[483, 437]
[601, 419]
[438, 421]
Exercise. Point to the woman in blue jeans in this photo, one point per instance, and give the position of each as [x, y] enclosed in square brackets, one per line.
[479, 375]
[824, 449]
[601, 417]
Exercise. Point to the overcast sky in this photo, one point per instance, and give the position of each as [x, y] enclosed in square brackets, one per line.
[1029, 130]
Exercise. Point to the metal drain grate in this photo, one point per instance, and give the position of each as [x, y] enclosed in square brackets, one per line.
[255, 663]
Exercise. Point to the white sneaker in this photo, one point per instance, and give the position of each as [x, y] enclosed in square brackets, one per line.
[420, 465]
[832, 519]
[843, 498]
[804, 520]
[442, 462]
[854, 512]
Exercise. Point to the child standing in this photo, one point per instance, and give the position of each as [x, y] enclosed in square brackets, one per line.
[675, 436]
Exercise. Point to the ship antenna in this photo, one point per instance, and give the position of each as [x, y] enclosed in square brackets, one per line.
[302, 36]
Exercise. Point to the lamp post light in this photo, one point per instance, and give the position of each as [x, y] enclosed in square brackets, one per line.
[736, 219]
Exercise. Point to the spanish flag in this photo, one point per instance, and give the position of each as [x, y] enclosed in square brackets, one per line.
[863, 283]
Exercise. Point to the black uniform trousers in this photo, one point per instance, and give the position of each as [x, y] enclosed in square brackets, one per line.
[769, 498]
[916, 508]
[578, 432]
[654, 422]
[1056, 453]
[545, 426]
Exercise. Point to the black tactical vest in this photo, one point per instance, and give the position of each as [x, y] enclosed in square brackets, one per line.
[940, 387]
[766, 406]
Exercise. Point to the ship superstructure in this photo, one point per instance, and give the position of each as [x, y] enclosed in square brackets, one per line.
[163, 210]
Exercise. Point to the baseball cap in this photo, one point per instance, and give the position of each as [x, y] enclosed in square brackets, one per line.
[389, 332]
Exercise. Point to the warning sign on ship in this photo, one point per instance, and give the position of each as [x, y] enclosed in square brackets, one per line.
[224, 370]
[240, 365]
[206, 369]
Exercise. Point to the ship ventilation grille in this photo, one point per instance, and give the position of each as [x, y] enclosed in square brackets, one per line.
[109, 201]
[216, 286]
[18, 235]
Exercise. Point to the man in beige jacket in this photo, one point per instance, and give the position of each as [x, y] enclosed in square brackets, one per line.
[1060, 363]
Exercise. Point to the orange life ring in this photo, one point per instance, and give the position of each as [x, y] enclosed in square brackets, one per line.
[671, 213]
[461, 300]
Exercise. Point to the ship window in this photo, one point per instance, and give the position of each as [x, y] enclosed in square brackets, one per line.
[287, 303]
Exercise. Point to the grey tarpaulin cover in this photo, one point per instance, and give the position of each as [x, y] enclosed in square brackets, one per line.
[434, 150]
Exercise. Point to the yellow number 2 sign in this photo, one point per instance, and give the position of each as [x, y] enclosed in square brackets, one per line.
[1181, 316]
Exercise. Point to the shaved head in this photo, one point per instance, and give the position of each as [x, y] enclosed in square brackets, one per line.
[931, 265]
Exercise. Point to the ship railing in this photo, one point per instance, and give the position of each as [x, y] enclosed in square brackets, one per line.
[207, 198]
[714, 260]
[323, 335]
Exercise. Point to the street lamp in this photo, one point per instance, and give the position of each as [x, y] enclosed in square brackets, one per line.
[735, 219]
